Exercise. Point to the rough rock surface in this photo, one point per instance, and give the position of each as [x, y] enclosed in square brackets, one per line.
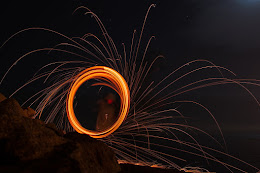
[29, 145]
[2, 97]
[29, 112]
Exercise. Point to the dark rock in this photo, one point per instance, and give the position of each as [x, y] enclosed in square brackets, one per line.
[2, 97]
[54, 128]
[11, 107]
[29, 112]
[99, 157]
[29, 145]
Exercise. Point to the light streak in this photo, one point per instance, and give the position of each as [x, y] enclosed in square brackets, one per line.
[115, 81]
[149, 134]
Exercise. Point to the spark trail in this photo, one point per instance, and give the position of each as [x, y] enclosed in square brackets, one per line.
[147, 131]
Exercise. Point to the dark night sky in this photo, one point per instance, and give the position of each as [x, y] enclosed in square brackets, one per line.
[225, 32]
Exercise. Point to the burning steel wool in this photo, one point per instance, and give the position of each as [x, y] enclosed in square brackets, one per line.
[147, 130]
[114, 81]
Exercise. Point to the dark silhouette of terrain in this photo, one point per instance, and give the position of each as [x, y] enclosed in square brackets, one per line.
[29, 145]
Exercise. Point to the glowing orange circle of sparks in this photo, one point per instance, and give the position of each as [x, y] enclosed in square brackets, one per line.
[113, 80]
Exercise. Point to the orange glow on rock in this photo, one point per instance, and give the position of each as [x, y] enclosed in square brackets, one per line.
[113, 80]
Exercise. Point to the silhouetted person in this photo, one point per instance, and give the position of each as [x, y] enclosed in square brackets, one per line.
[107, 112]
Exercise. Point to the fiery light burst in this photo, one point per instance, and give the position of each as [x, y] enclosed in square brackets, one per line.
[146, 132]
[113, 80]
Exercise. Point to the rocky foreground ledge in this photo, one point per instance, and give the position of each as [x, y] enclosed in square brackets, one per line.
[28, 145]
